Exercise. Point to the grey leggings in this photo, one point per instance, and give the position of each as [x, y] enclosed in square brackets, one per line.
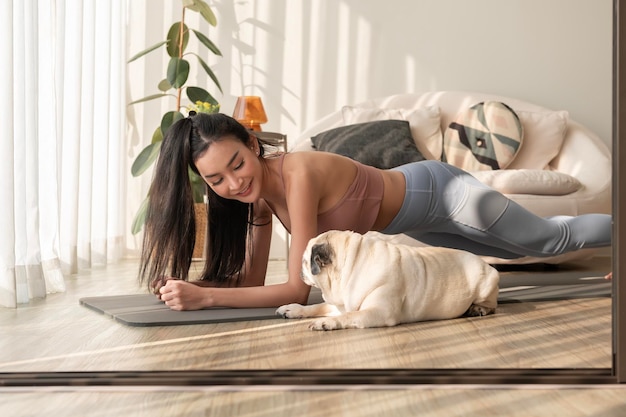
[446, 206]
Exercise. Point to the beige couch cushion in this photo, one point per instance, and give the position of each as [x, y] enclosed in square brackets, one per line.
[544, 132]
[424, 122]
[529, 181]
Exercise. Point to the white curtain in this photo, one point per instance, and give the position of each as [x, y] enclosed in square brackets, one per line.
[62, 167]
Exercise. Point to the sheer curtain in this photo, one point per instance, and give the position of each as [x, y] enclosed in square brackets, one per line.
[62, 166]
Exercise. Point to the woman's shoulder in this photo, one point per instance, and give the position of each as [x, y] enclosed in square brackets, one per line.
[316, 159]
[320, 169]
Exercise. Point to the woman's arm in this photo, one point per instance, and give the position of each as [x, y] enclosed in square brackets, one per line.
[181, 295]
[302, 193]
[256, 260]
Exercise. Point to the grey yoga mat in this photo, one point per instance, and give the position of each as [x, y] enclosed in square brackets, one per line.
[147, 310]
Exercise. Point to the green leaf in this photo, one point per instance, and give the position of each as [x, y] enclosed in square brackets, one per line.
[169, 119]
[177, 72]
[148, 98]
[145, 158]
[173, 40]
[200, 94]
[157, 136]
[207, 42]
[164, 85]
[150, 49]
[140, 217]
[210, 72]
[203, 8]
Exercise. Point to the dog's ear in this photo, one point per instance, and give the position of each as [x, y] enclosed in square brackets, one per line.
[321, 255]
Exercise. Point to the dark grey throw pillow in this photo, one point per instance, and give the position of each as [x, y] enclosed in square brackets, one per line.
[382, 144]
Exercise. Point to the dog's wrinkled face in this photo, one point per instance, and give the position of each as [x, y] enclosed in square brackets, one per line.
[318, 255]
[321, 255]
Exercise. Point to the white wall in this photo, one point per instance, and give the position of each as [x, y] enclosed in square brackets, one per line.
[307, 58]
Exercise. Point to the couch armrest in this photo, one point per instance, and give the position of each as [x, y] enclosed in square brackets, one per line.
[586, 157]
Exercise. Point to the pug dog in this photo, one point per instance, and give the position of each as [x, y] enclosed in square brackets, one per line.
[367, 282]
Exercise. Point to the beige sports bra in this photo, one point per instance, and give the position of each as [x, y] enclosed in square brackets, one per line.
[358, 208]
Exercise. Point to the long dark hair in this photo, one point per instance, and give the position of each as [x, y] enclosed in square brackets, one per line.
[170, 227]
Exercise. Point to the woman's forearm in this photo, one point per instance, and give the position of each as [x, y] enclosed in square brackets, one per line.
[262, 296]
[181, 295]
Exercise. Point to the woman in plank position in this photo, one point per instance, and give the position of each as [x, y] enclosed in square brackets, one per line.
[312, 192]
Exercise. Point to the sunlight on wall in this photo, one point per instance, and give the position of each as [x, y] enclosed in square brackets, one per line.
[344, 52]
[312, 90]
[293, 67]
[363, 54]
[411, 72]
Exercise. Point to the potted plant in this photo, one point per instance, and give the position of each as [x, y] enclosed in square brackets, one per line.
[172, 85]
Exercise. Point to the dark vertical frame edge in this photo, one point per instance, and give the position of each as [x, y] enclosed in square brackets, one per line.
[619, 184]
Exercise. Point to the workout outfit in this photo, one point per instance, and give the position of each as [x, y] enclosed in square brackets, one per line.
[358, 208]
[446, 206]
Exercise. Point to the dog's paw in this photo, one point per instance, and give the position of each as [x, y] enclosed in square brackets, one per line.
[477, 311]
[326, 323]
[336, 323]
[291, 311]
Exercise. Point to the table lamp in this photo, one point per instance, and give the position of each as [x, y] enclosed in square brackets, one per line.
[249, 112]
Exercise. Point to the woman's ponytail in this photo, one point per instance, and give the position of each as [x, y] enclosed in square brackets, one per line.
[170, 229]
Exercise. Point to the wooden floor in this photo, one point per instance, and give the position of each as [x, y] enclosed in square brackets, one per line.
[59, 335]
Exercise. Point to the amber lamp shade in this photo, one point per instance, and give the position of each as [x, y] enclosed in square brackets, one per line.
[249, 112]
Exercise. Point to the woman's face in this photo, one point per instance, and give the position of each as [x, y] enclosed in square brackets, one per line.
[232, 169]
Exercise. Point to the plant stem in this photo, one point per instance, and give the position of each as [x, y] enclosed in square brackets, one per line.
[180, 55]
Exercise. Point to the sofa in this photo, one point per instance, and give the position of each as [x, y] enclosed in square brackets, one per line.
[558, 168]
